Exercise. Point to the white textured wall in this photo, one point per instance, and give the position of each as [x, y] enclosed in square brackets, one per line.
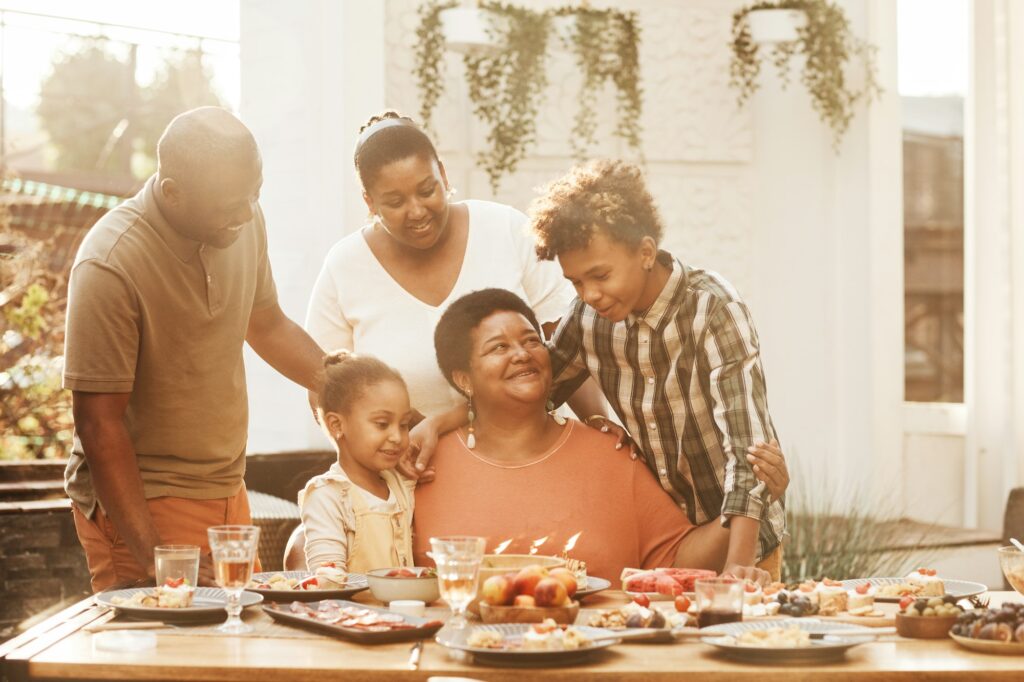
[812, 239]
[312, 71]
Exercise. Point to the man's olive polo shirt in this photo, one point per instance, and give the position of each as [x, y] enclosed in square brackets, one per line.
[163, 317]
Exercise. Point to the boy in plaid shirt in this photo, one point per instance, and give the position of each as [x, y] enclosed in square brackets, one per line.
[674, 350]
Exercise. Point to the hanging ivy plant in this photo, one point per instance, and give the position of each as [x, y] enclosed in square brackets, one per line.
[828, 45]
[605, 44]
[506, 86]
[429, 57]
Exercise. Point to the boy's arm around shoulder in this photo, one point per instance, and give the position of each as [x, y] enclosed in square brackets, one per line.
[568, 360]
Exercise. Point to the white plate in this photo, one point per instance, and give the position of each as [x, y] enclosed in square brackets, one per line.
[207, 602]
[458, 639]
[594, 585]
[827, 649]
[356, 583]
[961, 589]
[658, 596]
[988, 646]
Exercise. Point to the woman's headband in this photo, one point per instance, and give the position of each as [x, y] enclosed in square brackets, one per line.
[379, 126]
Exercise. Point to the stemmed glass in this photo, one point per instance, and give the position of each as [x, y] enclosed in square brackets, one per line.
[458, 568]
[234, 551]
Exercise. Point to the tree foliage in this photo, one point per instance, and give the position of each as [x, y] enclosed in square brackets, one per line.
[35, 413]
[96, 114]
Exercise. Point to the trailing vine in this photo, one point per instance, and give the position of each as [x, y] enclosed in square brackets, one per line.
[506, 86]
[605, 44]
[828, 45]
[429, 57]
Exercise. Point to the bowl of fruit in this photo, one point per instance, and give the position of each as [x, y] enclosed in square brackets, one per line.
[402, 582]
[1011, 560]
[530, 595]
[510, 564]
[927, 617]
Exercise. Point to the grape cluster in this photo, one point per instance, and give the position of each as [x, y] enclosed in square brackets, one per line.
[792, 604]
[1005, 624]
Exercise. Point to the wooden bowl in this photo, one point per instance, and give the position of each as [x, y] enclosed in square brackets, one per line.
[498, 564]
[565, 615]
[924, 627]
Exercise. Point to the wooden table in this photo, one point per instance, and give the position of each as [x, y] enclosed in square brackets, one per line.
[59, 649]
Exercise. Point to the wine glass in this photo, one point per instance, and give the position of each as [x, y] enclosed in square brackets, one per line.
[234, 551]
[458, 568]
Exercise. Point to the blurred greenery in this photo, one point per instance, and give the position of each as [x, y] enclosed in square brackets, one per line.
[98, 117]
[35, 413]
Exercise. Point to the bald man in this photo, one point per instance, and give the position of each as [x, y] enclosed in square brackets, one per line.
[165, 290]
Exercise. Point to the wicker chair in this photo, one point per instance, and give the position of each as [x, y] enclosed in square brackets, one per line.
[276, 519]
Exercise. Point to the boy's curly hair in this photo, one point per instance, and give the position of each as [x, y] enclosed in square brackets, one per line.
[601, 195]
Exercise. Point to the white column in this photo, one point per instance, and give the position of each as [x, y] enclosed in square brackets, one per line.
[828, 251]
[988, 299]
[312, 71]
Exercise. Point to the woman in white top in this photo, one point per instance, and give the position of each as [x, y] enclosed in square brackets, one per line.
[383, 288]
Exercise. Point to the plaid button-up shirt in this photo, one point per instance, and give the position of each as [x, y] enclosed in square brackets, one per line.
[686, 381]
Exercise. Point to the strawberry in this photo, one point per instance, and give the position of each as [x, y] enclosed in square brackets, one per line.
[309, 583]
[863, 588]
[174, 582]
[905, 602]
[682, 603]
[750, 587]
[643, 600]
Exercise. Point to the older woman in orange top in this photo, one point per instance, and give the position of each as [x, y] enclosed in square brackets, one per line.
[518, 473]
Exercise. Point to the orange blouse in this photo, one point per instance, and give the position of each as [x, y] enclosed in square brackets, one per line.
[582, 484]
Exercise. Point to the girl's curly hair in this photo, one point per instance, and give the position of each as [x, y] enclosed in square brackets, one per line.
[604, 195]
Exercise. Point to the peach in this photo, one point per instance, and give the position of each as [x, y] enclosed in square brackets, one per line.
[524, 600]
[528, 577]
[567, 578]
[550, 592]
[498, 590]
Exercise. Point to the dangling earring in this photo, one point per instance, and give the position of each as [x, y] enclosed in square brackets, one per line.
[449, 193]
[559, 419]
[471, 438]
[377, 220]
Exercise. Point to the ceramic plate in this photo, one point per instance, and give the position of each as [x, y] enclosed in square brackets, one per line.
[421, 627]
[207, 602]
[961, 589]
[988, 646]
[828, 648]
[658, 596]
[458, 639]
[356, 583]
[594, 585]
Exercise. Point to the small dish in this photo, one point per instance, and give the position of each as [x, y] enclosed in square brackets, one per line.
[594, 585]
[563, 615]
[356, 583]
[401, 587]
[924, 627]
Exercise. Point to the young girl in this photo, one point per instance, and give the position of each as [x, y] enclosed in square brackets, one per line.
[358, 515]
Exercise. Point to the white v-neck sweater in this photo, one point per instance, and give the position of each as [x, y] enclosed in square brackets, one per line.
[357, 305]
